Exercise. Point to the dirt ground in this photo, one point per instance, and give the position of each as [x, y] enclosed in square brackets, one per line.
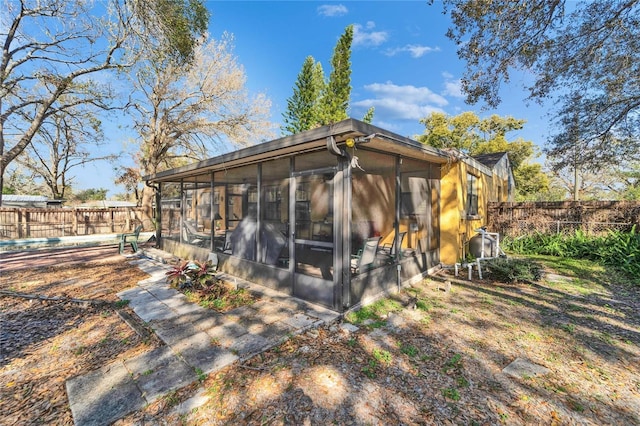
[433, 354]
[45, 342]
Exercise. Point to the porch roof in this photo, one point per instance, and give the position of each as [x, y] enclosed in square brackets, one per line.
[312, 140]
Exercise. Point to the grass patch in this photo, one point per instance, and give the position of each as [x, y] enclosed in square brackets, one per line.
[201, 375]
[171, 398]
[121, 303]
[577, 276]
[423, 305]
[376, 311]
[369, 370]
[382, 356]
[451, 393]
[616, 250]
[454, 361]
[408, 350]
[462, 382]
[223, 301]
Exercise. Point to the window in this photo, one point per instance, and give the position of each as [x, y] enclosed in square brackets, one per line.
[472, 195]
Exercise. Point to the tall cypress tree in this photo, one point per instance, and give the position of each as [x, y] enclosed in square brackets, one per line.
[302, 107]
[335, 99]
[368, 116]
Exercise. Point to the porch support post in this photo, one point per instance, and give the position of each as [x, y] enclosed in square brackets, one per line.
[343, 233]
[183, 200]
[212, 225]
[292, 223]
[341, 227]
[396, 223]
[259, 251]
[159, 215]
[341, 240]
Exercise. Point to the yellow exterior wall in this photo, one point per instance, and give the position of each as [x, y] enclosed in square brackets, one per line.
[455, 227]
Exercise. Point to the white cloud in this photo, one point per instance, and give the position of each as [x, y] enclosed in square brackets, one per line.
[332, 10]
[452, 87]
[368, 37]
[393, 102]
[416, 51]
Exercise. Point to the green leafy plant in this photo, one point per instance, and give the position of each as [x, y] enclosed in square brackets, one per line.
[382, 356]
[203, 274]
[451, 393]
[201, 375]
[462, 382]
[369, 370]
[409, 350]
[454, 361]
[513, 270]
[178, 276]
[617, 249]
[121, 303]
[192, 274]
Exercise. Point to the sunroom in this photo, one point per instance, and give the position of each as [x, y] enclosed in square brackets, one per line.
[335, 216]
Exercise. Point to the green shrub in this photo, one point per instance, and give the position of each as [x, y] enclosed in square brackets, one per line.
[513, 270]
[620, 250]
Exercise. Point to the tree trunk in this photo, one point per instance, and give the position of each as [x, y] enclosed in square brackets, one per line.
[576, 184]
[1, 184]
[148, 197]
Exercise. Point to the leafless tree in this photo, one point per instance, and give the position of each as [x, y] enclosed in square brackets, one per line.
[55, 54]
[60, 146]
[188, 113]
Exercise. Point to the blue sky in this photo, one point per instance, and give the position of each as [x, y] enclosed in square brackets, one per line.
[402, 62]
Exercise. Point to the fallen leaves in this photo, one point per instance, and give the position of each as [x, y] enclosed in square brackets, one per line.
[44, 342]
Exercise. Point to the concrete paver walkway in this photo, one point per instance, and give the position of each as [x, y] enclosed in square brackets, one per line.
[198, 341]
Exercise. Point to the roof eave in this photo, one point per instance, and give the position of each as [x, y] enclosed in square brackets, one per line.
[309, 140]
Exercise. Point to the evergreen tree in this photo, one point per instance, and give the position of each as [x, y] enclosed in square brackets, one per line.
[335, 99]
[368, 117]
[302, 107]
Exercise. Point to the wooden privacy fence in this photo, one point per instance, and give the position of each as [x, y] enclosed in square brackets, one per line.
[18, 223]
[591, 217]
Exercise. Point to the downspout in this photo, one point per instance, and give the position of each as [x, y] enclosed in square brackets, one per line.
[333, 148]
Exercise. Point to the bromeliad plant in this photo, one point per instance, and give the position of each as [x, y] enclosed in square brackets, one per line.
[179, 275]
[203, 274]
[192, 274]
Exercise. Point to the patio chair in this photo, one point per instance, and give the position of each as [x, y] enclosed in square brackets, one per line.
[131, 238]
[193, 236]
[389, 249]
[228, 247]
[366, 256]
